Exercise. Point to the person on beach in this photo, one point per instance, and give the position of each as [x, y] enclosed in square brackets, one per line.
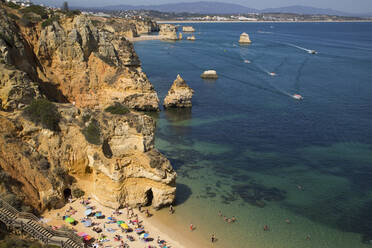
[266, 228]
[213, 238]
[171, 209]
[140, 208]
[308, 237]
[191, 227]
[233, 219]
[225, 219]
[219, 213]
[287, 221]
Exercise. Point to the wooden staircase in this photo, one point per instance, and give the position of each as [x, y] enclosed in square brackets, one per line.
[30, 224]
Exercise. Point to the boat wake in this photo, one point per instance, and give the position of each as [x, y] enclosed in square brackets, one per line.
[303, 48]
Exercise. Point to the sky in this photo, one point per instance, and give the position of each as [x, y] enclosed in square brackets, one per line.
[350, 6]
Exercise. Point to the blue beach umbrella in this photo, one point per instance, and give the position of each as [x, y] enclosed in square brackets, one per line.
[87, 223]
[98, 214]
[88, 212]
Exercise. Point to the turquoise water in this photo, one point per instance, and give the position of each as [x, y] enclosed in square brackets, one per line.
[249, 149]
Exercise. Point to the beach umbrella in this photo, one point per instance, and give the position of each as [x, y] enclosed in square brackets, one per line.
[144, 235]
[70, 220]
[120, 222]
[87, 223]
[98, 214]
[82, 234]
[139, 230]
[88, 212]
[125, 226]
[87, 238]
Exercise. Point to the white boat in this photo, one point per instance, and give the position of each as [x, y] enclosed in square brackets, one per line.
[312, 52]
[297, 97]
[272, 74]
[247, 61]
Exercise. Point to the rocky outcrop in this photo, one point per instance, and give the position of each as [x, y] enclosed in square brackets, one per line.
[93, 67]
[188, 29]
[16, 88]
[244, 39]
[145, 26]
[168, 32]
[123, 168]
[192, 38]
[111, 157]
[179, 95]
[210, 74]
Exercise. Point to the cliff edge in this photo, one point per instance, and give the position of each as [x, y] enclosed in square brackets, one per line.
[69, 89]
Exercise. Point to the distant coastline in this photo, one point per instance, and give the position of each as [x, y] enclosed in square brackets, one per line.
[193, 21]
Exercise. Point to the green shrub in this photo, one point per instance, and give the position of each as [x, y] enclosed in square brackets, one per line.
[37, 9]
[7, 40]
[13, 16]
[43, 112]
[117, 109]
[60, 172]
[49, 21]
[28, 21]
[77, 193]
[92, 133]
[73, 13]
[13, 5]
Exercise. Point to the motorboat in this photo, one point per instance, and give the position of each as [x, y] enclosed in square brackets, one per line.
[297, 97]
[247, 61]
[312, 52]
[272, 74]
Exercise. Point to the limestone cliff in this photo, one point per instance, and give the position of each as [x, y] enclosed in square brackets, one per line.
[168, 32]
[84, 66]
[124, 167]
[179, 95]
[244, 39]
[91, 66]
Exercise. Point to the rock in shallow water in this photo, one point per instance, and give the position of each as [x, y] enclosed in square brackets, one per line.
[179, 95]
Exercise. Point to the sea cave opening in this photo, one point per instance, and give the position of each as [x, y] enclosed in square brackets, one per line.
[149, 197]
[67, 194]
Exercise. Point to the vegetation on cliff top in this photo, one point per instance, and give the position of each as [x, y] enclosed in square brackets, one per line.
[43, 112]
[117, 109]
[92, 133]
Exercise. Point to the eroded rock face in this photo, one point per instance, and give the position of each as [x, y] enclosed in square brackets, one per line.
[16, 89]
[74, 61]
[93, 67]
[179, 95]
[244, 39]
[188, 29]
[124, 168]
[168, 32]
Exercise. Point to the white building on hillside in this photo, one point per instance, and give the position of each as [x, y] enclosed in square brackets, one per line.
[23, 3]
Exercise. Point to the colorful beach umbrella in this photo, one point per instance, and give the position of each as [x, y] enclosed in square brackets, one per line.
[144, 235]
[82, 234]
[120, 222]
[125, 226]
[87, 238]
[70, 220]
[98, 214]
[88, 212]
[139, 230]
[87, 223]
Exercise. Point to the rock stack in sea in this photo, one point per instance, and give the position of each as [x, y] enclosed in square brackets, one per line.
[244, 39]
[189, 29]
[210, 74]
[179, 95]
[168, 32]
[192, 38]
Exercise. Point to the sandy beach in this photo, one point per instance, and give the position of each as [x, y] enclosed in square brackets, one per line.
[155, 226]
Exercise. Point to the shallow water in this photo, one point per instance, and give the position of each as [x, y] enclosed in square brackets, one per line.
[249, 149]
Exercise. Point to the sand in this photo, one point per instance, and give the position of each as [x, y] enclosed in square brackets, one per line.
[154, 225]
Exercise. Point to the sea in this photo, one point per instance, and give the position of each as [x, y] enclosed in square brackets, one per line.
[247, 148]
